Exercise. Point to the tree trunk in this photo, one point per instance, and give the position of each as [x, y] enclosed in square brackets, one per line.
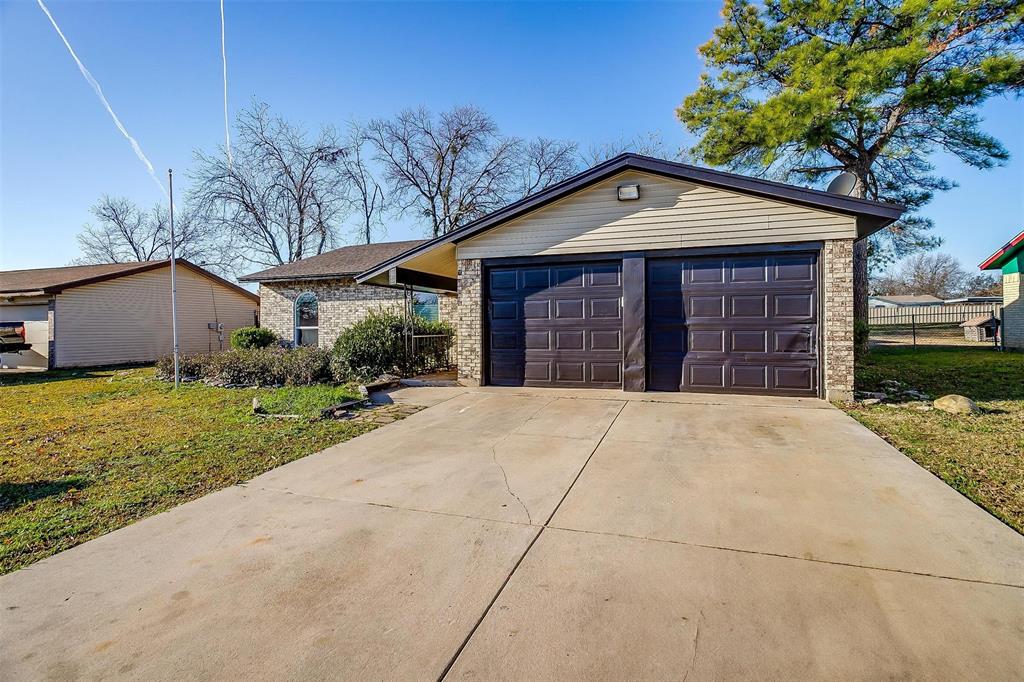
[860, 281]
[860, 295]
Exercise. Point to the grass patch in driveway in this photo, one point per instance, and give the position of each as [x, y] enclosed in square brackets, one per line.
[981, 456]
[86, 452]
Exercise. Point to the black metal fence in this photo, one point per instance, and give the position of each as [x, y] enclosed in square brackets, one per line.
[941, 325]
[431, 352]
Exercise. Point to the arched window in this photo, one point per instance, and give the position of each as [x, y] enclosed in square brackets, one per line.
[307, 320]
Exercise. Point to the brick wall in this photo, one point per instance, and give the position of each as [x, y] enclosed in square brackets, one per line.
[469, 322]
[341, 304]
[837, 264]
[1013, 311]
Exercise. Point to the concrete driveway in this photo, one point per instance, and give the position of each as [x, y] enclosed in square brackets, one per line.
[504, 534]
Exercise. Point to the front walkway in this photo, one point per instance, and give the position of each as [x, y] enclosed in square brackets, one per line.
[516, 534]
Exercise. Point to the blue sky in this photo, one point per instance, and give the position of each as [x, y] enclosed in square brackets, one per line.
[591, 72]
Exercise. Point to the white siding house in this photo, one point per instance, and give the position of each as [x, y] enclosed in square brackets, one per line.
[120, 313]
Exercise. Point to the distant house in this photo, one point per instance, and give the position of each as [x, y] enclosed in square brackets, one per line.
[908, 301]
[1010, 260]
[973, 300]
[311, 301]
[116, 313]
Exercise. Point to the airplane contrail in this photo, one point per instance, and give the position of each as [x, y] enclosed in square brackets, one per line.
[224, 61]
[99, 93]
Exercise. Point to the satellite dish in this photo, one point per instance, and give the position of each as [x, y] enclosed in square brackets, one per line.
[844, 184]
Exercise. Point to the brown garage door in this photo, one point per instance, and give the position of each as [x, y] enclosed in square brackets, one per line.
[733, 324]
[555, 325]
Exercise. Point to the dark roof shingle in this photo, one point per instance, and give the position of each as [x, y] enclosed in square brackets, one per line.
[344, 262]
[55, 280]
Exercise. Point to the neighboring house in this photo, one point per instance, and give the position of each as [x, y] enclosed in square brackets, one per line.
[309, 302]
[1010, 260]
[907, 301]
[973, 300]
[115, 313]
[645, 274]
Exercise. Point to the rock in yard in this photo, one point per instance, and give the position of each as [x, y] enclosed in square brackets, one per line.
[871, 401]
[956, 404]
[915, 395]
[872, 395]
[257, 407]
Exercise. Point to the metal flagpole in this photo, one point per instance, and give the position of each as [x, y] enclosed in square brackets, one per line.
[174, 288]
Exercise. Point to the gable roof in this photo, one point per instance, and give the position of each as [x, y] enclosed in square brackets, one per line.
[347, 261]
[56, 280]
[1008, 251]
[871, 215]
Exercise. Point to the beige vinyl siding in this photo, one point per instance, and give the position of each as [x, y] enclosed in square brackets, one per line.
[669, 214]
[128, 319]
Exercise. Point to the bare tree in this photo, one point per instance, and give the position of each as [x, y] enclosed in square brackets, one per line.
[282, 196]
[935, 274]
[124, 233]
[647, 144]
[366, 195]
[543, 163]
[457, 166]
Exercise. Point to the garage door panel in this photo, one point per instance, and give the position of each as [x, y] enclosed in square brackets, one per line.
[794, 269]
[569, 309]
[748, 270]
[800, 306]
[793, 340]
[605, 339]
[752, 377]
[705, 306]
[749, 306]
[794, 377]
[748, 341]
[567, 330]
[536, 310]
[705, 374]
[751, 328]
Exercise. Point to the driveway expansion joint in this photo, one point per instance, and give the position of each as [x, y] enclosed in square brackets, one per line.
[526, 552]
[776, 555]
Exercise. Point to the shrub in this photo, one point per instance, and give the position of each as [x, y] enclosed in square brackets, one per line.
[254, 367]
[191, 367]
[253, 337]
[376, 345]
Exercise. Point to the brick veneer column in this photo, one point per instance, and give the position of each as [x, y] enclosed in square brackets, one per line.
[838, 291]
[469, 325]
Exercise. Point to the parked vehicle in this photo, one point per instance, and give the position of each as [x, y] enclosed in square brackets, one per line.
[12, 337]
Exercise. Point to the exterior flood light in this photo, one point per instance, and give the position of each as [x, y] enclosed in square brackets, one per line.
[629, 192]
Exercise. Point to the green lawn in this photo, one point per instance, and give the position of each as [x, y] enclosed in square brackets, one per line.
[85, 452]
[982, 456]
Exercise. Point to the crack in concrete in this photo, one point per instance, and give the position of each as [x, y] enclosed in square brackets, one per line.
[504, 475]
[696, 642]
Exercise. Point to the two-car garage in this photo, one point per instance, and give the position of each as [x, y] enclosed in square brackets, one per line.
[648, 275]
[737, 323]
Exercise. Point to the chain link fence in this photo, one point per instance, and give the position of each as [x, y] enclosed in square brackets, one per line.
[940, 325]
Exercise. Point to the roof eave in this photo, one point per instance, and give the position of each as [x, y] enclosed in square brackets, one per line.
[297, 278]
[1006, 252]
[873, 214]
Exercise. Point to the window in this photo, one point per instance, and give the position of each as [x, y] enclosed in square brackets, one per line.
[425, 305]
[307, 320]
